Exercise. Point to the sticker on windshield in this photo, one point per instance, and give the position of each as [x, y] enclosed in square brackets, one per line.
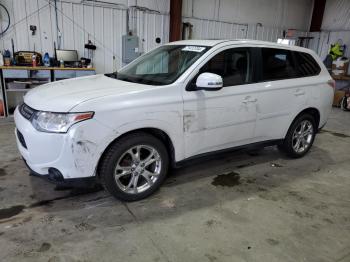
[192, 48]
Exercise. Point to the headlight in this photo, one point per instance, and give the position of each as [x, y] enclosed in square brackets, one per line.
[58, 122]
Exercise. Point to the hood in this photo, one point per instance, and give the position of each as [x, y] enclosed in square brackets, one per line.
[62, 96]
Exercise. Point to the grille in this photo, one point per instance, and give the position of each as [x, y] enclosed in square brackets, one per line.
[26, 111]
[21, 139]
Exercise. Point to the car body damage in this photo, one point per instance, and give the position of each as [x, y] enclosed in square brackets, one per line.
[193, 107]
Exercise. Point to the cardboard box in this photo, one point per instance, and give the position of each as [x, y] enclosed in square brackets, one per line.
[340, 67]
[338, 96]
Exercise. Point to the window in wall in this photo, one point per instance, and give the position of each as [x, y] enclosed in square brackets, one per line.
[233, 65]
[277, 64]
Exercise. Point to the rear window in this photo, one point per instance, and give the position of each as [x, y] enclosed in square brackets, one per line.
[277, 64]
[307, 66]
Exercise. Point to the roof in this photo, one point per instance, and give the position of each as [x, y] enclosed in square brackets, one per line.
[237, 42]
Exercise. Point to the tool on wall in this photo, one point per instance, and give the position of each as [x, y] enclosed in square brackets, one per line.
[2, 7]
[33, 29]
[91, 48]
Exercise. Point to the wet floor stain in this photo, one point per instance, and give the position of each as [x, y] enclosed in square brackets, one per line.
[44, 247]
[246, 165]
[276, 165]
[335, 133]
[11, 211]
[229, 180]
[73, 193]
[272, 242]
[6, 213]
[2, 172]
[62, 188]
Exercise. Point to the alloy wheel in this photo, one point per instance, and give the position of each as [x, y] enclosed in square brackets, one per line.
[138, 169]
[302, 136]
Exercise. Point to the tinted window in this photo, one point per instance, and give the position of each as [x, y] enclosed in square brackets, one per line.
[233, 65]
[307, 66]
[277, 64]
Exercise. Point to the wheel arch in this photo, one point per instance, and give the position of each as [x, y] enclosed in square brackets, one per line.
[310, 110]
[156, 132]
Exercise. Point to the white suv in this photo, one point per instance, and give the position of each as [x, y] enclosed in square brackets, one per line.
[181, 100]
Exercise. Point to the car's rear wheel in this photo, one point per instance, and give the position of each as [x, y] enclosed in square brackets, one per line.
[300, 136]
[134, 166]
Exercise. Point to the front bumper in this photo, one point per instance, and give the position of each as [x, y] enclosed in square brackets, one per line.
[74, 154]
[82, 182]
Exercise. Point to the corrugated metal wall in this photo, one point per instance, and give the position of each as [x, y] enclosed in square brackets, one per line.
[211, 29]
[294, 14]
[149, 26]
[104, 25]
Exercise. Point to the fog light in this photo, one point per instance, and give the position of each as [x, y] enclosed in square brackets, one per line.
[55, 174]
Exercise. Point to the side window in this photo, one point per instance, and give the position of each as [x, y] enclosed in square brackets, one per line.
[233, 65]
[307, 66]
[277, 64]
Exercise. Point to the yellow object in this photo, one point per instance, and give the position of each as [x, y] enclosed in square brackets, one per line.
[336, 51]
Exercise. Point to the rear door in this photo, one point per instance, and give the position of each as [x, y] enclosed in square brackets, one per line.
[281, 93]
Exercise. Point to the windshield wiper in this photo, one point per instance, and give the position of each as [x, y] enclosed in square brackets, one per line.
[112, 75]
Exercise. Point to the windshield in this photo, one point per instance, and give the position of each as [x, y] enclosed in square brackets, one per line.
[161, 66]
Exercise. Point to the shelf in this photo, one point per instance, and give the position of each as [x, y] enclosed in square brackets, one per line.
[45, 68]
[18, 90]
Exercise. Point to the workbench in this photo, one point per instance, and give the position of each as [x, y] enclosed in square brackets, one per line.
[17, 80]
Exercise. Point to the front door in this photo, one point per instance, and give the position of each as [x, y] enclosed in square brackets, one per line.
[215, 120]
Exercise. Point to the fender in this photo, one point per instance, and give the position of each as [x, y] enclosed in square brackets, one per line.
[175, 134]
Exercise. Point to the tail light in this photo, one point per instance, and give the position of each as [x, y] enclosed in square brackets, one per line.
[331, 83]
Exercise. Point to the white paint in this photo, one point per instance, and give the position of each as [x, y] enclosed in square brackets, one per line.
[195, 121]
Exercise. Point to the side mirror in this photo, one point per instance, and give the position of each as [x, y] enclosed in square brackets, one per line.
[209, 82]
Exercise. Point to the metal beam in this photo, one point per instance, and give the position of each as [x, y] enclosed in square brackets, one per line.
[175, 20]
[317, 15]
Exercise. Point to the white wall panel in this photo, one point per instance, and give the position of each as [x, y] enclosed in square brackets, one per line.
[149, 26]
[21, 29]
[336, 15]
[5, 41]
[46, 36]
[209, 29]
[270, 13]
[34, 40]
[67, 26]
[103, 24]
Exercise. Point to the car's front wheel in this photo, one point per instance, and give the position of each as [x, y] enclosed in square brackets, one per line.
[300, 136]
[134, 166]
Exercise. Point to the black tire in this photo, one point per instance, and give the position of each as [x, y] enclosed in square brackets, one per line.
[114, 153]
[287, 144]
[344, 103]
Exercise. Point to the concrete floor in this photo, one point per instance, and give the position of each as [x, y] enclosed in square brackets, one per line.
[238, 207]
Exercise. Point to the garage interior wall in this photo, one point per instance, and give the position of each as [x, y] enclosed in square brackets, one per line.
[252, 19]
[335, 25]
[104, 23]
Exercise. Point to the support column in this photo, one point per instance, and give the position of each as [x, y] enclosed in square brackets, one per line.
[175, 20]
[317, 15]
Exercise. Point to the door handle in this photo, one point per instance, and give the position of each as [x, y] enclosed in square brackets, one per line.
[249, 100]
[299, 93]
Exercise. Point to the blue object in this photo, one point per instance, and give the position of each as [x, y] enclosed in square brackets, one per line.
[46, 59]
